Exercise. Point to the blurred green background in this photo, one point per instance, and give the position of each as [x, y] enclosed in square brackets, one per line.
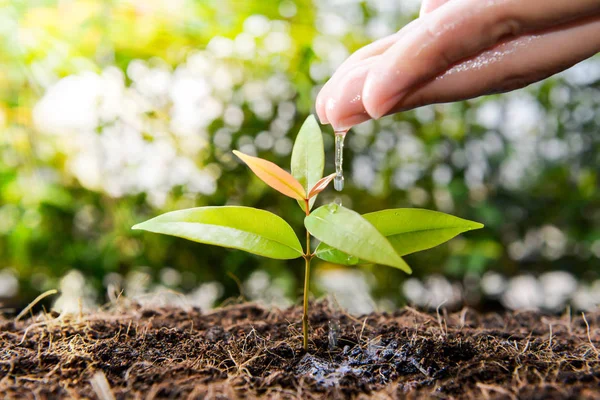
[112, 112]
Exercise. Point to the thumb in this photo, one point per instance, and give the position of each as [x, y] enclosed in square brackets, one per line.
[428, 6]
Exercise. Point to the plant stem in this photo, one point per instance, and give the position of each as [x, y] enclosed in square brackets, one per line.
[307, 258]
[305, 314]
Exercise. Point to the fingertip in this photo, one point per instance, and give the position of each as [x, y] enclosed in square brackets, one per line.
[320, 106]
[380, 94]
[371, 94]
[330, 107]
[388, 77]
[361, 57]
[344, 108]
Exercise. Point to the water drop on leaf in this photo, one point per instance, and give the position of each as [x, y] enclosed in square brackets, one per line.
[333, 207]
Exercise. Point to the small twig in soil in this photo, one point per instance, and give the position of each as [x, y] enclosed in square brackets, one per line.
[441, 321]
[426, 317]
[569, 320]
[419, 367]
[362, 329]
[40, 324]
[34, 302]
[589, 335]
[239, 285]
[463, 317]
[549, 323]
[101, 386]
[485, 389]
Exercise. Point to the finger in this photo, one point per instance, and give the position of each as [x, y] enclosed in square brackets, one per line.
[459, 29]
[344, 106]
[320, 108]
[428, 6]
[371, 50]
[510, 65]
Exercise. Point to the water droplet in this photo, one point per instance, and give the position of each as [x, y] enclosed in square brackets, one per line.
[334, 331]
[352, 260]
[338, 201]
[333, 207]
[338, 181]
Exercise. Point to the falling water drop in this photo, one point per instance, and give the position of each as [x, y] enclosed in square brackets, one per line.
[333, 334]
[338, 201]
[338, 181]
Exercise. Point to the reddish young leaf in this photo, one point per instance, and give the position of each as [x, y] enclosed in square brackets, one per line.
[274, 176]
[320, 185]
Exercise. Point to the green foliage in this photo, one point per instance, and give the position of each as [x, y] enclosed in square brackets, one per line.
[308, 157]
[348, 231]
[343, 230]
[408, 230]
[346, 237]
[524, 163]
[244, 228]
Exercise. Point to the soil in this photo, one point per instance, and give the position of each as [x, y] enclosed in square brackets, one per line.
[248, 351]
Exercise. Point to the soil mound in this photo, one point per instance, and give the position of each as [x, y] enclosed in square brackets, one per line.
[248, 351]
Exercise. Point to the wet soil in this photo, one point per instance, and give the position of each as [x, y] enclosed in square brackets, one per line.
[247, 351]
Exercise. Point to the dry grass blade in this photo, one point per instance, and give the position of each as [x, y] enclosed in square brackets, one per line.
[101, 386]
[34, 302]
[589, 335]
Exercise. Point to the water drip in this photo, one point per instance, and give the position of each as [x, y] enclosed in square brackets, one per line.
[338, 181]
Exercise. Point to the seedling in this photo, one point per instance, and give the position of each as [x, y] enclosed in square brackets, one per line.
[345, 236]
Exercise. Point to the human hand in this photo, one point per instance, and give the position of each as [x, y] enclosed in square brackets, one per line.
[460, 49]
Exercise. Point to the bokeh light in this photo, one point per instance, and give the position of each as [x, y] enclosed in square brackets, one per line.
[113, 112]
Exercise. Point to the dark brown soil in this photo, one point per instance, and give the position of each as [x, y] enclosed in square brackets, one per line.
[247, 351]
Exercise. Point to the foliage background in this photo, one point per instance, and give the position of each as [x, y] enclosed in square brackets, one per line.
[112, 112]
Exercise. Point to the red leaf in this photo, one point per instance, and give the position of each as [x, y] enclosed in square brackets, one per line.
[274, 176]
[320, 185]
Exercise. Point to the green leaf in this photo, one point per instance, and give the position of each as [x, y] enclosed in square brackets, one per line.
[414, 229]
[328, 253]
[349, 232]
[244, 228]
[408, 230]
[308, 157]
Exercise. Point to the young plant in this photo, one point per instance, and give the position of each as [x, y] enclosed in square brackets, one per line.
[345, 236]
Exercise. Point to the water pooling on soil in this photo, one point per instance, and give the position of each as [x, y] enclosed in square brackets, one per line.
[387, 357]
